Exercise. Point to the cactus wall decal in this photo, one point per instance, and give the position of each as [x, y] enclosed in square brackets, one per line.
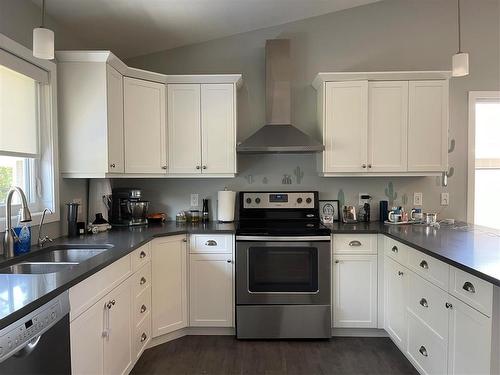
[286, 180]
[452, 146]
[341, 198]
[299, 174]
[404, 199]
[264, 180]
[249, 179]
[391, 194]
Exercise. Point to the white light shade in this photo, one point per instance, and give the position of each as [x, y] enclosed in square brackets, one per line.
[460, 63]
[43, 43]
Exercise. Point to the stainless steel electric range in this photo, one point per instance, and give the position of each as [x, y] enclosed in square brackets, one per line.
[283, 266]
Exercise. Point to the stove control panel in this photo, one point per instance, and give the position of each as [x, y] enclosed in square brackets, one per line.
[23, 335]
[278, 200]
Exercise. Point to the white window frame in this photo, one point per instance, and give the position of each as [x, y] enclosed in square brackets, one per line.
[49, 160]
[474, 96]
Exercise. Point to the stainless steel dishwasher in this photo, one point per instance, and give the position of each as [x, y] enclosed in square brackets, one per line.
[38, 343]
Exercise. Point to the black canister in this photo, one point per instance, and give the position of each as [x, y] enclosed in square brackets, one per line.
[204, 213]
[383, 210]
[73, 219]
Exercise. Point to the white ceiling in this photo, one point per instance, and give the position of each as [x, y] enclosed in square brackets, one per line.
[136, 27]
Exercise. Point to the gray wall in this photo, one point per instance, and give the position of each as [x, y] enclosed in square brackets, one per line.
[17, 20]
[389, 35]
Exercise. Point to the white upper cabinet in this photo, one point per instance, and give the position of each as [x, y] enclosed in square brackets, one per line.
[202, 129]
[428, 126]
[184, 128]
[116, 157]
[144, 124]
[346, 127]
[383, 123]
[388, 124]
[218, 130]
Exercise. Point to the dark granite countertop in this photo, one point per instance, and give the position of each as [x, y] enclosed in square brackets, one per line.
[473, 249]
[22, 293]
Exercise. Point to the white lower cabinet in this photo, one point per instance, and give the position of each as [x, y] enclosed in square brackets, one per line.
[169, 285]
[395, 291]
[354, 291]
[211, 290]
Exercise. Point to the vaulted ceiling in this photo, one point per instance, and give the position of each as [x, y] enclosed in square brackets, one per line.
[136, 27]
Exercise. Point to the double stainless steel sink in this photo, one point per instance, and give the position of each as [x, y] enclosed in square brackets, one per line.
[55, 259]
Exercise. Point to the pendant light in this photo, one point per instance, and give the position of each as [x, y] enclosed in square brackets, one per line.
[460, 60]
[43, 40]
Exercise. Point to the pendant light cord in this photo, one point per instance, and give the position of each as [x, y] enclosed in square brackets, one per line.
[459, 31]
[43, 13]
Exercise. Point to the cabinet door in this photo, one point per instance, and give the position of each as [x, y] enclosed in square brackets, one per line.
[87, 343]
[116, 158]
[218, 128]
[169, 287]
[355, 291]
[145, 129]
[184, 128]
[387, 126]
[346, 127]
[469, 348]
[428, 126]
[395, 291]
[118, 341]
[211, 290]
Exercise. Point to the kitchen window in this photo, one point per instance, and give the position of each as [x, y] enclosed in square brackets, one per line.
[484, 158]
[27, 130]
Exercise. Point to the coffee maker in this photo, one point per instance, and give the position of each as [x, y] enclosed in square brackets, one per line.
[127, 207]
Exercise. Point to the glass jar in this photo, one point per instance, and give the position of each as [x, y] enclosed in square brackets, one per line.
[195, 216]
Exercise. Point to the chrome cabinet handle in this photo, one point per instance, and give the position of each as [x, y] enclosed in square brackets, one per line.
[184, 240]
[142, 255]
[423, 351]
[110, 304]
[448, 305]
[144, 337]
[400, 273]
[363, 165]
[424, 303]
[198, 167]
[424, 265]
[369, 165]
[113, 165]
[229, 261]
[395, 249]
[204, 167]
[143, 309]
[143, 281]
[355, 243]
[337, 261]
[211, 243]
[469, 287]
[164, 167]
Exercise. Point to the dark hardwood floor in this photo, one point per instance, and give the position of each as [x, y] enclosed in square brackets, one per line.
[226, 355]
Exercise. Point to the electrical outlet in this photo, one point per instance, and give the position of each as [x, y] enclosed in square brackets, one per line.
[194, 200]
[445, 199]
[362, 201]
[417, 199]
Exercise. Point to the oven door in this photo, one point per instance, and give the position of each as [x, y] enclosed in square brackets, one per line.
[283, 270]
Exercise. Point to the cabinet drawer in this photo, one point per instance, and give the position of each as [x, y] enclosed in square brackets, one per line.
[142, 336]
[428, 302]
[142, 306]
[425, 349]
[355, 244]
[141, 256]
[429, 268]
[396, 250]
[215, 243]
[141, 279]
[84, 294]
[471, 290]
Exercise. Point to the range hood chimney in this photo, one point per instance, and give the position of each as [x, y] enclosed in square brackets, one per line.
[278, 135]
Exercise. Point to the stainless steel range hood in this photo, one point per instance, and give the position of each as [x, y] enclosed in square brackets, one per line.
[278, 135]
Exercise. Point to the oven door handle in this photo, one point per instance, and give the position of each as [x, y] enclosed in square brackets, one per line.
[279, 238]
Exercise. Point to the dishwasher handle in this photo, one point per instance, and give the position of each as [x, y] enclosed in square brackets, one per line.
[27, 349]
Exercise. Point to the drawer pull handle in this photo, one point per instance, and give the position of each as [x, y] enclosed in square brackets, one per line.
[142, 255]
[469, 287]
[211, 243]
[355, 243]
[423, 351]
[184, 240]
[113, 165]
[400, 273]
[337, 261]
[143, 309]
[424, 303]
[143, 281]
[144, 337]
[424, 265]
[395, 249]
[110, 304]
[448, 305]
[229, 261]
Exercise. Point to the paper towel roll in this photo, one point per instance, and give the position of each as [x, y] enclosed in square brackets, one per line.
[225, 205]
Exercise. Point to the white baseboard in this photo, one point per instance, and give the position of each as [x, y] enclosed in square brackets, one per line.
[192, 331]
[359, 332]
